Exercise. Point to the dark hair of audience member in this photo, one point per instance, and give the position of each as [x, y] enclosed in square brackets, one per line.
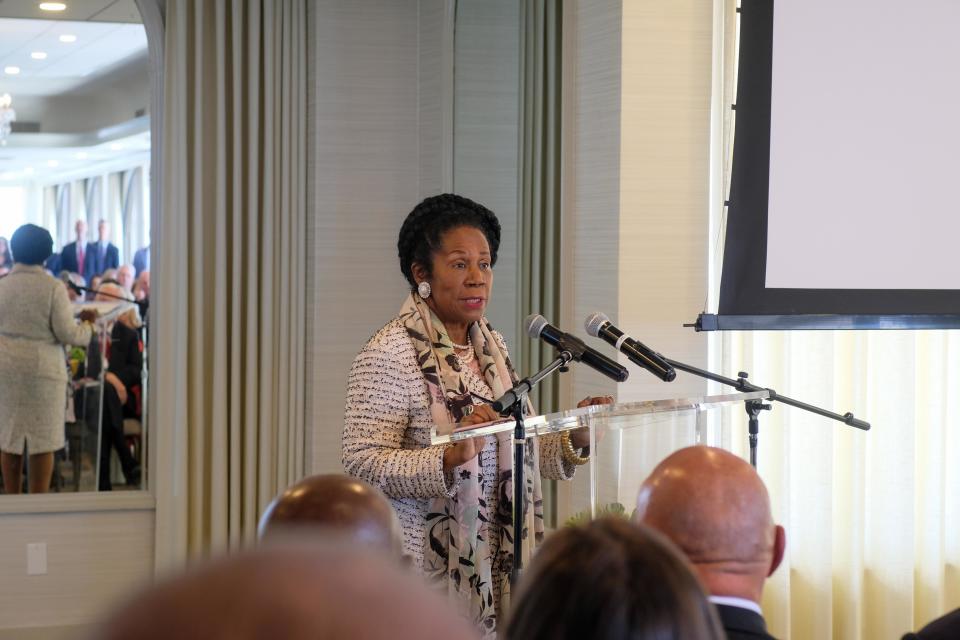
[608, 580]
[31, 245]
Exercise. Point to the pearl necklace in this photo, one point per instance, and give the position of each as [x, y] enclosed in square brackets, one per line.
[469, 355]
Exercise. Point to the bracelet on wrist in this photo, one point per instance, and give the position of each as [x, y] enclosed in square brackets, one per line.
[570, 454]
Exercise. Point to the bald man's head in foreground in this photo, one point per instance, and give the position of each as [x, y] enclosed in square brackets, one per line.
[336, 503]
[715, 507]
[319, 591]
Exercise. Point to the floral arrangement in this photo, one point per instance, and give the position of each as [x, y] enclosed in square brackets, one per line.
[612, 509]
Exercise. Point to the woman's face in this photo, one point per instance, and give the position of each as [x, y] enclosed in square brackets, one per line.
[462, 276]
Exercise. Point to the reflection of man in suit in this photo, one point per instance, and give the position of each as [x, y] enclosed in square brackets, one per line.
[105, 253]
[75, 256]
[141, 260]
[714, 506]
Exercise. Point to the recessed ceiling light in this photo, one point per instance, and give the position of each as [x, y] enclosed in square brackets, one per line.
[12, 71]
[53, 163]
[52, 6]
[116, 146]
[82, 155]
[39, 55]
[68, 37]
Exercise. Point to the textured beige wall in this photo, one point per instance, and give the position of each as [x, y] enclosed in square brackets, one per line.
[637, 87]
[365, 178]
[664, 186]
[486, 115]
[93, 558]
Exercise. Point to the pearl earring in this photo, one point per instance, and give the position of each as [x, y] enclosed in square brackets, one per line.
[424, 289]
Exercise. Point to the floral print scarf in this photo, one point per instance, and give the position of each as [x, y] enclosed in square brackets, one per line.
[456, 547]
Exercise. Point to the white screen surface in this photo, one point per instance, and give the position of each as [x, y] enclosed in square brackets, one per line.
[865, 145]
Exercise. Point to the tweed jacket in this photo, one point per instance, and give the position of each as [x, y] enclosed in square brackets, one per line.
[386, 433]
[36, 320]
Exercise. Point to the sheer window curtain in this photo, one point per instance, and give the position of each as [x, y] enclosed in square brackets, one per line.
[872, 518]
[228, 302]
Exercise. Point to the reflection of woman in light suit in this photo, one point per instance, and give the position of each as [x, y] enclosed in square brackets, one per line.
[36, 320]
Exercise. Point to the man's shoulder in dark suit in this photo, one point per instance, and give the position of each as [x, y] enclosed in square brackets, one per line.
[942, 628]
[112, 260]
[68, 257]
[742, 624]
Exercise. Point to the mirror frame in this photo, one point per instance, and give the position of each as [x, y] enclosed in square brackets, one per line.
[152, 14]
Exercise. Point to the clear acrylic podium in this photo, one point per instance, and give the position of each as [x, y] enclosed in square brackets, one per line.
[627, 441]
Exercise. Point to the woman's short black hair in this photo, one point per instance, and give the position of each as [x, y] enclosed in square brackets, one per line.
[31, 244]
[610, 579]
[422, 232]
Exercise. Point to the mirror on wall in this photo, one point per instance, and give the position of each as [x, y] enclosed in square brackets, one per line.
[74, 161]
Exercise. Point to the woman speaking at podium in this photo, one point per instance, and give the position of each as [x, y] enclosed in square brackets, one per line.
[440, 361]
[36, 320]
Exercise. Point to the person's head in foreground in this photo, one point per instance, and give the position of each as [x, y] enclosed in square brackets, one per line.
[318, 591]
[344, 505]
[714, 506]
[607, 580]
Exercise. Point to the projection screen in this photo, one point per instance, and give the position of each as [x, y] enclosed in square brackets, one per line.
[844, 207]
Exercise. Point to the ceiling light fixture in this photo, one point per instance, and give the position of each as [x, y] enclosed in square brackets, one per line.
[53, 163]
[68, 37]
[11, 70]
[82, 155]
[52, 6]
[116, 146]
[39, 55]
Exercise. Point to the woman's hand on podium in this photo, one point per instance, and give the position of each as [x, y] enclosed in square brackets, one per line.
[466, 450]
[580, 438]
[88, 315]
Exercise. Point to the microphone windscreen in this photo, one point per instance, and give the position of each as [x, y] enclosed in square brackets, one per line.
[534, 325]
[593, 323]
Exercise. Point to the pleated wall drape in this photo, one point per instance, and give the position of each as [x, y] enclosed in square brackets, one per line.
[872, 518]
[540, 38]
[229, 279]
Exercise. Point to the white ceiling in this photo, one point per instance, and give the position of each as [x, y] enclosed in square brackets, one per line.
[108, 35]
[80, 10]
[99, 47]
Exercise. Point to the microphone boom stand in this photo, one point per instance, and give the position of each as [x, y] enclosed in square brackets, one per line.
[141, 304]
[511, 403]
[754, 407]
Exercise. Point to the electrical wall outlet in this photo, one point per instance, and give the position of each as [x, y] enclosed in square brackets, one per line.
[37, 559]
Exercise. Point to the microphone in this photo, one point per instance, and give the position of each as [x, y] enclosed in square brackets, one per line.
[536, 326]
[76, 288]
[599, 326]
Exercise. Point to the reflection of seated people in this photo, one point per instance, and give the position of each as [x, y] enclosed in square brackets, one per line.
[125, 363]
[141, 288]
[125, 277]
[6, 257]
[338, 503]
[322, 590]
[67, 277]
